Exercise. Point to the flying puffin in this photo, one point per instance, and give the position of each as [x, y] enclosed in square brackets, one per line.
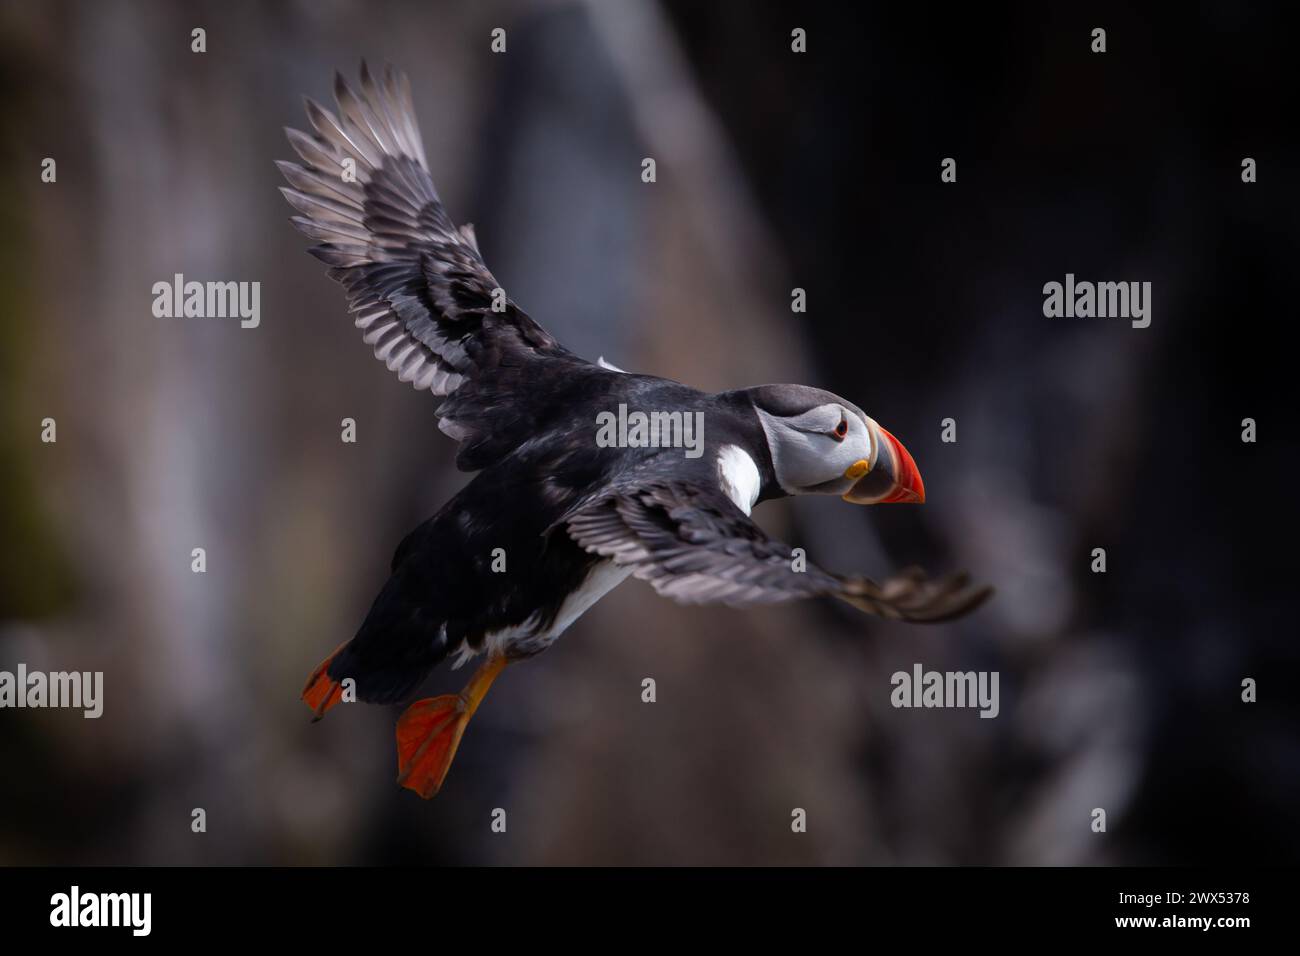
[574, 516]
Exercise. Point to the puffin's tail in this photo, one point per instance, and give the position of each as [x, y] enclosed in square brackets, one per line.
[322, 691]
[400, 642]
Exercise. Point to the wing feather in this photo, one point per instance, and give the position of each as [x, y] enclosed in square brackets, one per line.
[692, 544]
[424, 298]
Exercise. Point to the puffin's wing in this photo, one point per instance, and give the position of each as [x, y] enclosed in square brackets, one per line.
[423, 297]
[694, 545]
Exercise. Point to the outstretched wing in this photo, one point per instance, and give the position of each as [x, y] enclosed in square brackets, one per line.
[423, 297]
[694, 545]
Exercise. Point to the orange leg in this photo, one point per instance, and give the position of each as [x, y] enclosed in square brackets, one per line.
[429, 732]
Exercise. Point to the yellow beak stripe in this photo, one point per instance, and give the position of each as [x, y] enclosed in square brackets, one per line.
[857, 469]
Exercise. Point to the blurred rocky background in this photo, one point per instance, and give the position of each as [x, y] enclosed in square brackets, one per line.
[775, 170]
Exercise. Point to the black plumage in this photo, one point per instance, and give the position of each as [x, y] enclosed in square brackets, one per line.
[571, 517]
[530, 502]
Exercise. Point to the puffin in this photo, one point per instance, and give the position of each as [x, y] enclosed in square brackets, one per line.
[554, 517]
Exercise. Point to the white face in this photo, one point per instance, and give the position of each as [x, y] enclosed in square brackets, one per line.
[822, 451]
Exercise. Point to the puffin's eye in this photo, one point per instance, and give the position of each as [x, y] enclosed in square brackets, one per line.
[841, 430]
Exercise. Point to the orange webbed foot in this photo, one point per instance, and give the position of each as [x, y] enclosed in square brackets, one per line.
[429, 732]
[428, 735]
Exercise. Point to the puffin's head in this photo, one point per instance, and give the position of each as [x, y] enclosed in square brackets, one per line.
[823, 445]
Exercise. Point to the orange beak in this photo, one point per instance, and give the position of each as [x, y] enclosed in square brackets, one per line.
[894, 478]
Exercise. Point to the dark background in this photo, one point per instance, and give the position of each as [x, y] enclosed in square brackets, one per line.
[775, 170]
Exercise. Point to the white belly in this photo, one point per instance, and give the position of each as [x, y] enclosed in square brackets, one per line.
[525, 639]
[603, 578]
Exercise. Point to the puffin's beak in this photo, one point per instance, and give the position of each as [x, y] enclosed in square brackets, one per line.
[893, 478]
